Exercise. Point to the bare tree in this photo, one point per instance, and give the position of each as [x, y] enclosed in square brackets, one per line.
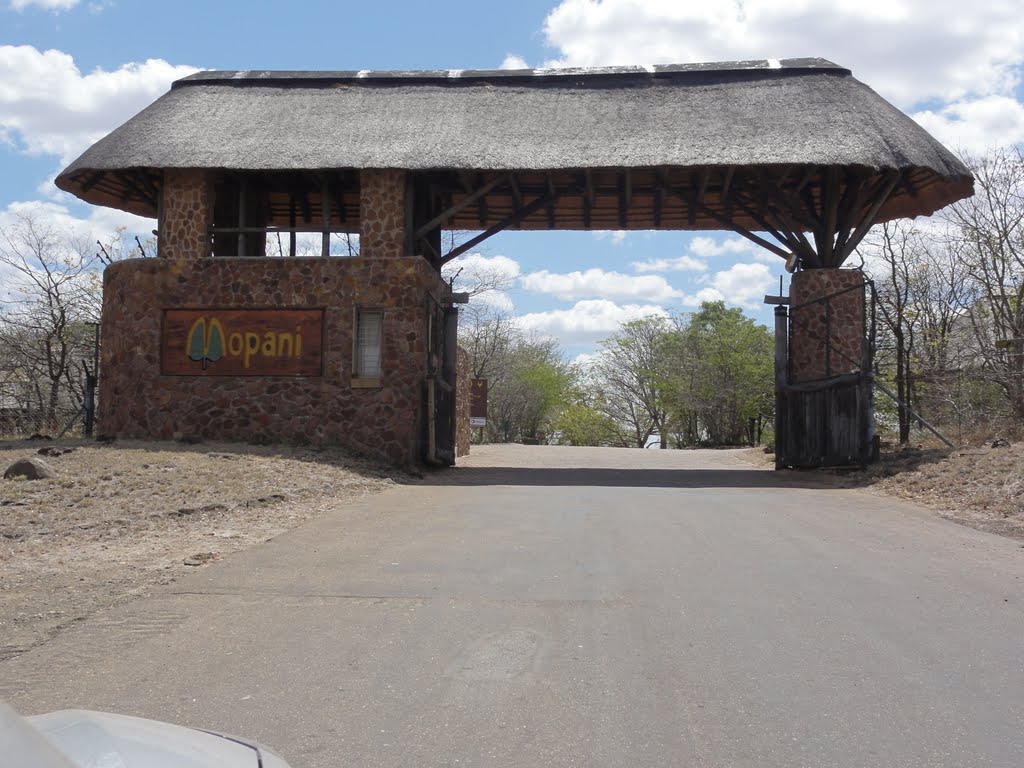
[51, 294]
[987, 235]
[630, 378]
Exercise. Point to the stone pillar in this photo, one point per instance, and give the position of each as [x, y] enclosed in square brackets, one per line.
[828, 333]
[381, 213]
[185, 215]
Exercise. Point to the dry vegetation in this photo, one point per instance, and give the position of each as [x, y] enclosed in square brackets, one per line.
[117, 520]
[982, 487]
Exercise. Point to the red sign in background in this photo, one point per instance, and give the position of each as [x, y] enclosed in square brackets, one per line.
[242, 342]
[478, 399]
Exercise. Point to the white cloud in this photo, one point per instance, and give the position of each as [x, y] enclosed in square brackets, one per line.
[511, 61]
[743, 285]
[588, 321]
[475, 267]
[617, 236]
[48, 107]
[910, 51]
[702, 249]
[596, 282]
[100, 225]
[678, 264]
[976, 125]
[709, 247]
[486, 278]
[47, 5]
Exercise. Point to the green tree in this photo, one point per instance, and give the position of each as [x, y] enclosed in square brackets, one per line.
[720, 375]
[631, 375]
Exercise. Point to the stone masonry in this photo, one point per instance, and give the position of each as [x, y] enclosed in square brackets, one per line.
[382, 213]
[381, 417]
[186, 215]
[821, 346]
[138, 401]
[463, 432]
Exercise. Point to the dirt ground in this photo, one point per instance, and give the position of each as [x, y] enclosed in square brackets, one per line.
[117, 520]
[982, 487]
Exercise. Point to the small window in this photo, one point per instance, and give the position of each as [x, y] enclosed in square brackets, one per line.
[368, 344]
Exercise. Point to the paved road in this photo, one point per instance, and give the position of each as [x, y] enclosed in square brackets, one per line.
[557, 607]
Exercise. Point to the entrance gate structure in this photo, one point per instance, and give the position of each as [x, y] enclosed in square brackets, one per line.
[236, 332]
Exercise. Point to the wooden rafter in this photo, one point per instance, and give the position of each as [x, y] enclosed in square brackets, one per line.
[478, 196]
[661, 184]
[516, 217]
[588, 198]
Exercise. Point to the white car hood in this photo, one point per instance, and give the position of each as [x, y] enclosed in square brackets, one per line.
[75, 738]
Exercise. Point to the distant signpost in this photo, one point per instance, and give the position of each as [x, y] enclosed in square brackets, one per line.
[478, 403]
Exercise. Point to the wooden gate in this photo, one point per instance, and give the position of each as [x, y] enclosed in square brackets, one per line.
[824, 412]
[441, 385]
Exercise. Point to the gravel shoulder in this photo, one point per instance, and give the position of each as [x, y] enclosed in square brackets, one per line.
[115, 521]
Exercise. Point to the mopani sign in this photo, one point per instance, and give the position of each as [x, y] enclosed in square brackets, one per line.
[242, 342]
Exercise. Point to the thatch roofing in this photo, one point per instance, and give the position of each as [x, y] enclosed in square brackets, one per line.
[789, 119]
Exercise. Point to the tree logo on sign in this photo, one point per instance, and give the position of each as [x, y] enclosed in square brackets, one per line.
[206, 341]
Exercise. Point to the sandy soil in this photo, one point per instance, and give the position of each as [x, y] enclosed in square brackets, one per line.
[982, 487]
[117, 520]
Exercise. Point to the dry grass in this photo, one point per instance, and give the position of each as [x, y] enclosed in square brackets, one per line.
[117, 520]
[982, 487]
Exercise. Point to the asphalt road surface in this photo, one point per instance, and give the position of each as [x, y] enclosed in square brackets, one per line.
[581, 607]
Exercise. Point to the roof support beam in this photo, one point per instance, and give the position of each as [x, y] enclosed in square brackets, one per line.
[625, 192]
[552, 197]
[885, 187]
[516, 217]
[479, 194]
[659, 196]
[739, 230]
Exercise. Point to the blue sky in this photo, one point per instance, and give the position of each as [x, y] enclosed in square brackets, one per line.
[71, 70]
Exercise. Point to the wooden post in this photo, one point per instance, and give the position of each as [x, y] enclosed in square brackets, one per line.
[781, 359]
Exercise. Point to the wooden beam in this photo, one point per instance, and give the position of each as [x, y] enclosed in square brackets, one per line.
[740, 230]
[478, 195]
[790, 239]
[890, 182]
[807, 176]
[727, 183]
[91, 180]
[588, 198]
[624, 194]
[830, 214]
[516, 217]
[325, 217]
[517, 195]
[660, 182]
[702, 185]
[291, 225]
[551, 205]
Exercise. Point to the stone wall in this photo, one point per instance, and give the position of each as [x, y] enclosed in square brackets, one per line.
[185, 215]
[138, 401]
[820, 346]
[381, 213]
[463, 396]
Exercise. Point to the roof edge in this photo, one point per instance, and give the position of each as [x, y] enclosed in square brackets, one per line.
[510, 76]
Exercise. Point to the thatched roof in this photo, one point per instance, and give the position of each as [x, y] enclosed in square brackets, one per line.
[790, 117]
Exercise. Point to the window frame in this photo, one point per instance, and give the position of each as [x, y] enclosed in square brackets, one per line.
[360, 378]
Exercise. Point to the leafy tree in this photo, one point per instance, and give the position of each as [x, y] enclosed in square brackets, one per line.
[631, 374]
[526, 389]
[722, 366]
